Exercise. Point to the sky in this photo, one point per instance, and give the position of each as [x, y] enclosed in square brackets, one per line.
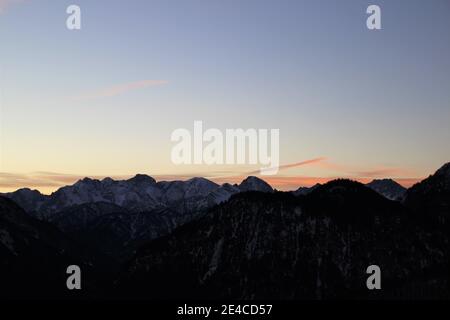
[103, 101]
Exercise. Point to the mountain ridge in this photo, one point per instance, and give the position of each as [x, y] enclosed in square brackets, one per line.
[277, 245]
[34, 256]
[145, 190]
[217, 241]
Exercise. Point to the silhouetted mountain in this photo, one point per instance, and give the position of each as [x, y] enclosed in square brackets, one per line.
[29, 200]
[275, 245]
[83, 216]
[188, 196]
[199, 239]
[430, 198]
[305, 190]
[138, 194]
[388, 188]
[224, 192]
[34, 256]
[115, 216]
[112, 229]
[255, 184]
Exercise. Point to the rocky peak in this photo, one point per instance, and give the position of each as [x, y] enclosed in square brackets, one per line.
[255, 184]
[388, 188]
[142, 179]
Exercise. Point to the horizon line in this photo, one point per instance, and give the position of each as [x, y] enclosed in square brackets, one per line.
[280, 183]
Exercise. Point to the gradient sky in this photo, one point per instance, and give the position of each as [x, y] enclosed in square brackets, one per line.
[103, 101]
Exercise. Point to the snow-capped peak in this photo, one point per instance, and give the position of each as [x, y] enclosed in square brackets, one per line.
[388, 188]
[252, 183]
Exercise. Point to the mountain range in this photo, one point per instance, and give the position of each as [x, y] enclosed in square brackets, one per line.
[278, 246]
[309, 245]
[142, 193]
[119, 215]
[196, 238]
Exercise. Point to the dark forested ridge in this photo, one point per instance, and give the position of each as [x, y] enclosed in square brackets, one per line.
[284, 247]
[201, 240]
[34, 256]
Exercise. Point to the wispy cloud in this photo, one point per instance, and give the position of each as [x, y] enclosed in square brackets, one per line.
[379, 171]
[119, 89]
[383, 172]
[43, 181]
[291, 165]
[36, 179]
[5, 4]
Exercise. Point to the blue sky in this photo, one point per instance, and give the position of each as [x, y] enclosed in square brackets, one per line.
[366, 101]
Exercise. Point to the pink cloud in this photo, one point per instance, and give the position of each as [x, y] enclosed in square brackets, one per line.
[5, 4]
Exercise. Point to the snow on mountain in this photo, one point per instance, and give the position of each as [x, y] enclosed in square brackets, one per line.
[388, 188]
[255, 184]
[137, 194]
[115, 216]
[140, 193]
[223, 193]
[29, 200]
[305, 190]
[267, 246]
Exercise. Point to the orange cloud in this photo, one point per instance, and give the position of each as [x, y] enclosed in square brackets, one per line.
[48, 182]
